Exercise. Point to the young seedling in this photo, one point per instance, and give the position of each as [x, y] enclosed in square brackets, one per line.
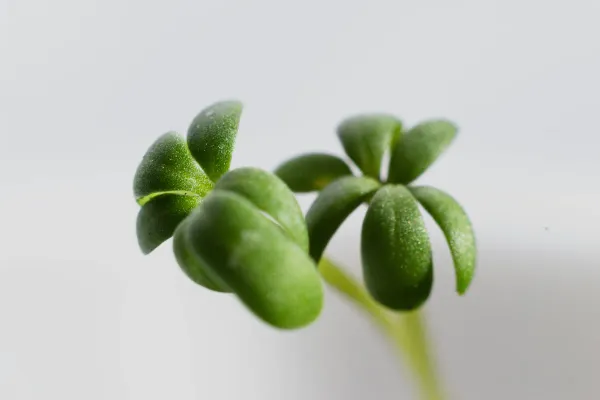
[395, 248]
[242, 232]
[239, 231]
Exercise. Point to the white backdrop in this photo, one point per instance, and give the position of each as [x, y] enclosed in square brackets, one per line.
[86, 86]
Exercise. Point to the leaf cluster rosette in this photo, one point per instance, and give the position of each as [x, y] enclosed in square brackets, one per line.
[396, 253]
[237, 231]
[241, 232]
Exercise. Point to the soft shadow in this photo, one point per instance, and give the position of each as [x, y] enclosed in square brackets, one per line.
[527, 329]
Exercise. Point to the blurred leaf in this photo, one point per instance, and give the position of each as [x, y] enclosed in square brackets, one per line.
[332, 206]
[311, 172]
[193, 266]
[253, 257]
[271, 195]
[211, 137]
[455, 224]
[158, 219]
[395, 248]
[366, 138]
[168, 167]
[418, 149]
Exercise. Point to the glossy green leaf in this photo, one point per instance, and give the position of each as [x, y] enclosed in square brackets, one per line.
[158, 219]
[395, 249]
[193, 266]
[211, 137]
[272, 196]
[455, 224]
[418, 149]
[311, 172]
[253, 257]
[168, 167]
[366, 138]
[332, 206]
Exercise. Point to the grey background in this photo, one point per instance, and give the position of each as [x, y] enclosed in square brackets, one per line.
[86, 86]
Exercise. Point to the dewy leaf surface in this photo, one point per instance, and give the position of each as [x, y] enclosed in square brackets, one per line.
[168, 167]
[312, 171]
[332, 206]
[418, 149]
[455, 224]
[211, 137]
[366, 138]
[395, 249]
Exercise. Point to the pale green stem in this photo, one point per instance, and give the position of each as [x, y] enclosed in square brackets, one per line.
[406, 330]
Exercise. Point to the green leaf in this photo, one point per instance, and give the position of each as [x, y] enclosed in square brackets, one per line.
[455, 224]
[193, 266]
[311, 172]
[211, 137]
[168, 167]
[332, 206]
[158, 219]
[253, 257]
[366, 138]
[395, 249]
[418, 149]
[271, 195]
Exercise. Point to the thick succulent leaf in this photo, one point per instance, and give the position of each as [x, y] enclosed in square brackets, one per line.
[193, 266]
[158, 219]
[168, 167]
[269, 272]
[455, 224]
[272, 196]
[366, 138]
[418, 149]
[332, 206]
[211, 137]
[311, 172]
[395, 249]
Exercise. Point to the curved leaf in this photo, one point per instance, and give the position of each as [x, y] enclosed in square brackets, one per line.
[332, 206]
[312, 171]
[418, 149]
[272, 196]
[395, 249]
[455, 224]
[211, 137]
[193, 266]
[158, 219]
[168, 167]
[270, 274]
[366, 138]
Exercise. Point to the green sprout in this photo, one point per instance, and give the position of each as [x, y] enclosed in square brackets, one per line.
[395, 248]
[241, 232]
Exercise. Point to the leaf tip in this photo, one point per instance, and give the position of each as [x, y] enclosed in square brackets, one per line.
[463, 284]
[211, 136]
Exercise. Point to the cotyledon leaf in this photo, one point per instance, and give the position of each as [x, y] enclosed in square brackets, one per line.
[418, 149]
[312, 171]
[268, 271]
[272, 196]
[168, 167]
[211, 137]
[395, 250]
[191, 264]
[158, 219]
[332, 206]
[366, 138]
[455, 224]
